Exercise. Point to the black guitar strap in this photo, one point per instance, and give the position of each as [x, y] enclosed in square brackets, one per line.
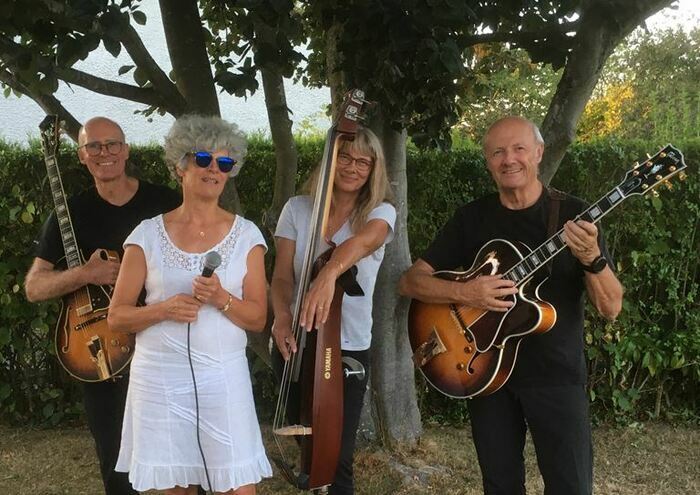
[555, 199]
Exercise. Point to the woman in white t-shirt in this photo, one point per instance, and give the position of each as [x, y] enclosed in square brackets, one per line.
[177, 436]
[361, 221]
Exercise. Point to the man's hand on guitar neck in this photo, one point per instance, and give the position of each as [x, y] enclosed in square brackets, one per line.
[44, 282]
[99, 271]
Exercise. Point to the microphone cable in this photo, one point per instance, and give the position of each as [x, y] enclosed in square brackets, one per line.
[196, 406]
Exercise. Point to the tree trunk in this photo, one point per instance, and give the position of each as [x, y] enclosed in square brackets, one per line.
[184, 35]
[603, 25]
[397, 417]
[285, 147]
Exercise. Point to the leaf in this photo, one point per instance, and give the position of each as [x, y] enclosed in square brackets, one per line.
[48, 410]
[139, 17]
[124, 69]
[677, 361]
[27, 217]
[113, 46]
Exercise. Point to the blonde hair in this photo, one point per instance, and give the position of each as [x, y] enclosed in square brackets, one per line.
[376, 190]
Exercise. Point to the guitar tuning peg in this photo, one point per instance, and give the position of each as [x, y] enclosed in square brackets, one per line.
[636, 165]
[648, 156]
[668, 185]
[655, 193]
[682, 176]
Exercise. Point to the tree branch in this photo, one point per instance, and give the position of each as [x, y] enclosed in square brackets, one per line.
[147, 96]
[49, 103]
[520, 37]
[161, 82]
[9, 50]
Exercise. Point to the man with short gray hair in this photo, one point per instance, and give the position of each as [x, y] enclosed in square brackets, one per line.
[546, 392]
[102, 217]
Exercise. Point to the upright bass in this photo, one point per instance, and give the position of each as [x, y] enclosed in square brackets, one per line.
[316, 370]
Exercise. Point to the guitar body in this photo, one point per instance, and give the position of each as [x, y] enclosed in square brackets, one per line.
[85, 346]
[466, 352]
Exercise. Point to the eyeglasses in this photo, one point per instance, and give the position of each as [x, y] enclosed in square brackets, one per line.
[204, 158]
[95, 148]
[362, 164]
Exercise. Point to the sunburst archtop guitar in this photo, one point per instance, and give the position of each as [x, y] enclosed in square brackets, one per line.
[466, 352]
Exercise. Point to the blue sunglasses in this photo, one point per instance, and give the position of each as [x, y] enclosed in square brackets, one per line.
[203, 159]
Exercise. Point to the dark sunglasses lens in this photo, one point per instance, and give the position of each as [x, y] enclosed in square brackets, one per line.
[202, 159]
[225, 163]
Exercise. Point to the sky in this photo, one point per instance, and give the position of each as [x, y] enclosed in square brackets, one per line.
[19, 117]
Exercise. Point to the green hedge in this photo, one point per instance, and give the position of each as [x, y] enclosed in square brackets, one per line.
[643, 365]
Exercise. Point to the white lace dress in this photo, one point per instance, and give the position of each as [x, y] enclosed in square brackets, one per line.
[159, 444]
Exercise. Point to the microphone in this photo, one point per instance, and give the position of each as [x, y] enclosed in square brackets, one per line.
[212, 260]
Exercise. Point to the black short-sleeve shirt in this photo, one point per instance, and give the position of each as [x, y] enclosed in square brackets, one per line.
[555, 357]
[99, 224]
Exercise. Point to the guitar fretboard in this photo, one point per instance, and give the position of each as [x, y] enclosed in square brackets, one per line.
[523, 270]
[65, 225]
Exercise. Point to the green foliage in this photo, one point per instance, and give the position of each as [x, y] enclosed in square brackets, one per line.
[502, 82]
[646, 364]
[649, 87]
[412, 56]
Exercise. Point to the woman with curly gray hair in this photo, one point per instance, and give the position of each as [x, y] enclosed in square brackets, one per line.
[190, 419]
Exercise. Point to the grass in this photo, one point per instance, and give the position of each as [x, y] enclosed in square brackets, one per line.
[648, 459]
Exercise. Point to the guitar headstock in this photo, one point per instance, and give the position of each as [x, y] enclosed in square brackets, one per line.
[351, 111]
[654, 171]
[50, 134]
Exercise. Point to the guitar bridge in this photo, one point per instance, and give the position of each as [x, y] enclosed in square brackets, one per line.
[429, 349]
[293, 430]
[99, 358]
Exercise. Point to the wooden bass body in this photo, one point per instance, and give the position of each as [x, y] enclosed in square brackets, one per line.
[466, 352]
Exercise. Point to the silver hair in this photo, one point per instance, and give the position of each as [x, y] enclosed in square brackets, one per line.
[535, 130]
[192, 133]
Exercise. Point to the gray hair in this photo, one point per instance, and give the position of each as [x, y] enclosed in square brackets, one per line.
[535, 130]
[192, 133]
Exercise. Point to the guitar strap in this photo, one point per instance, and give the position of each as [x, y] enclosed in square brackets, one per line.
[555, 199]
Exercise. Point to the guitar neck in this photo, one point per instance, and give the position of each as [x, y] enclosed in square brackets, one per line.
[65, 225]
[522, 271]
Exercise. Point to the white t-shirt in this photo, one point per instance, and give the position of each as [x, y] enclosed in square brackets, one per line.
[356, 320]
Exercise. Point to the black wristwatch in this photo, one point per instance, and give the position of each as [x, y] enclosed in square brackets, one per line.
[597, 265]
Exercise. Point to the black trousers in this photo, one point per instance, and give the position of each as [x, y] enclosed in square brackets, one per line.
[353, 398]
[560, 426]
[104, 408]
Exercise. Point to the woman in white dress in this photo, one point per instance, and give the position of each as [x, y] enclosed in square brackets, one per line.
[360, 223]
[177, 436]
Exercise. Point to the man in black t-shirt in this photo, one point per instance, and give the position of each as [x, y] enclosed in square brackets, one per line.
[546, 391]
[102, 217]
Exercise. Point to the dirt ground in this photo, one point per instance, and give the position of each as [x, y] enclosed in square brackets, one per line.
[650, 459]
